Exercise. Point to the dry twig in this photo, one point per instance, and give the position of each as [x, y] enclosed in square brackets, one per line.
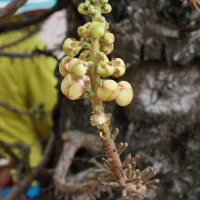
[24, 184]
[11, 8]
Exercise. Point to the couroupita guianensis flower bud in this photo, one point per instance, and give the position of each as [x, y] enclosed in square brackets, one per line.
[106, 9]
[105, 69]
[86, 80]
[77, 68]
[108, 39]
[107, 49]
[83, 31]
[87, 83]
[87, 3]
[103, 2]
[103, 57]
[108, 90]
[92, 10]
[85, 55]
[104, 22]
[119, 67]
[63, 66]
[71, 47]
[96, 30]
[83, 9]
[88, 39]
[125, 95]
[72, 88]
[95, 1]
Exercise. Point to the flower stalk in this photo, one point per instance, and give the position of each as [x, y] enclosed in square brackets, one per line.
[93, 61]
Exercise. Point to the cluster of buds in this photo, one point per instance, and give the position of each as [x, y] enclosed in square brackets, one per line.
[76, 82]
[88, 8]
[97, 43]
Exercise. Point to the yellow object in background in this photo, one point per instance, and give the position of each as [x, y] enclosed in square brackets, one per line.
[24, 81]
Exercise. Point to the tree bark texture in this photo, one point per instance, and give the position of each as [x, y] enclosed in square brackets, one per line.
[159, 41]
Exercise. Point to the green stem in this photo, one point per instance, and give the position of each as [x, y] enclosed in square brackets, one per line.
[93, 71]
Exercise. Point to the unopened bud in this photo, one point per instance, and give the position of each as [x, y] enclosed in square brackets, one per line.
[85, 55]
[104, 22]
[87, 3]
[108, 90]
[63, 66]
[103, 57]
[83, 9]
[96, 30]
[103, 2]
[71, 47]
[92, 10]
[125, 95]
[107, 49]
[105, 70]
[106, 9]
[86, 80]
[108, 39]
[77, 68]
[119, 67]
[72, 88]
[83, 31]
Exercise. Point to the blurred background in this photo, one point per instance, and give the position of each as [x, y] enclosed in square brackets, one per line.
[159, 42]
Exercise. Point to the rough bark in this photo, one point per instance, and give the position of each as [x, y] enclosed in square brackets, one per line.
[159, 41]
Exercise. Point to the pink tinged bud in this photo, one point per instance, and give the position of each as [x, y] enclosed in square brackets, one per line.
[125, 95]
[119, 67]
[86, 80]
[106, 9]
[83, 9]
[107, 49]
[64, 64]
[105, 70]
[77, 68]
[71, 47]
[72, 88]
[83, 31]
[85, 55]
[108, 90]
[96, 30]
[108, 39]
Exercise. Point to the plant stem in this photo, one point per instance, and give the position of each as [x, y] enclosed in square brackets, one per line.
[106, 139]
[93, 71]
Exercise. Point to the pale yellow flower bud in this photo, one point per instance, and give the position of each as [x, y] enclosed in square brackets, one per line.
[64, 64]
[71, 47]
[85, 55]
[105, 69]
[97, 30]
[77, 68]
[108, 39]
[108, 90]
[83, 31]
[125, 95]
[72, 88]
[119, 67]
[107, 49]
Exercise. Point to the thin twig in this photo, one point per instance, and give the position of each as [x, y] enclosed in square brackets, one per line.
[36, 52]
[16, 110]
[35, 20]
[11, 8]
[8, 150]
[30, 33]
[24, 184]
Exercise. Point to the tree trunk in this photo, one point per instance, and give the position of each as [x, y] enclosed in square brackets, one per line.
[159, 41]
